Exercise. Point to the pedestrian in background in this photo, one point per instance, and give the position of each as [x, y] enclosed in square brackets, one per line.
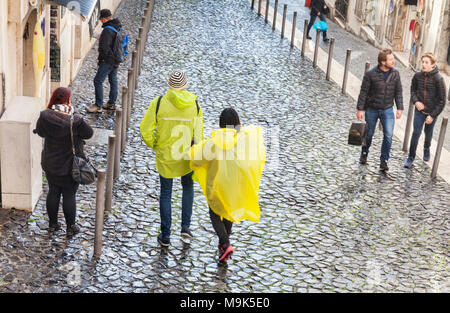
[381, 85]
[57, 156]
[318, 9]
[107, 63]
[428, 95]
[178, 120]
[229, 167]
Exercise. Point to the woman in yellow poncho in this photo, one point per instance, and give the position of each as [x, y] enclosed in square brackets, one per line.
[228, 167]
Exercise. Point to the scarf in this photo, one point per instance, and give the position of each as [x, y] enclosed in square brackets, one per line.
[63, 108]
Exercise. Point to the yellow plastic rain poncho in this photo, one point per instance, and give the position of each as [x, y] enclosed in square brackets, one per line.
[176, 124]
[228, 167]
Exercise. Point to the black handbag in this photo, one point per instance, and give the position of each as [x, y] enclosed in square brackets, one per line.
[83, 171]
[357, 134]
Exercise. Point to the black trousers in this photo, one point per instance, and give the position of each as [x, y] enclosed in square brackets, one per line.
[67, 187]
[311, 23]
[222, 227]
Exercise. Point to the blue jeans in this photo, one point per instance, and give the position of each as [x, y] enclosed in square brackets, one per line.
[165, 202]
[106, 70]
[419, 121]
[387, 119]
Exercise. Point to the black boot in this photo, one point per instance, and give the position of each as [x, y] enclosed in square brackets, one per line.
[72, 230]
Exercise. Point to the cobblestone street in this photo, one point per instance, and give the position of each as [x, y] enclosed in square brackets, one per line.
[328, 224]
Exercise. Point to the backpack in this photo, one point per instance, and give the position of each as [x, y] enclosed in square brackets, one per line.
[120, 45]
[159, 103]
[157, 109]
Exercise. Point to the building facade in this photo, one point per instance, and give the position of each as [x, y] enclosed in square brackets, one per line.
[42, 47]
[409, 27]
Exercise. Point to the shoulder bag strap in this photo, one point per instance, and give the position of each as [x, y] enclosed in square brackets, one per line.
[157, 108]
[71, 134]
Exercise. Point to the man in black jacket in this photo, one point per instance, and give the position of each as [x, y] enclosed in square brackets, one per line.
[318, 9]
[428, 96]
[107, 65]
[380, 87]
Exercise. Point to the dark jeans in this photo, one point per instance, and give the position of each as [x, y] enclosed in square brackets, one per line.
[106, 70]
[419, 121]
[222, 227]
[387, 119]
[312, 21]
[165, 202]
[67, 187]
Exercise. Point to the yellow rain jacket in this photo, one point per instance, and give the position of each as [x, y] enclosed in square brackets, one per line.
[228, 167]
[177, 125]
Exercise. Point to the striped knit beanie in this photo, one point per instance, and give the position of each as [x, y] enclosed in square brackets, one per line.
[177, 80]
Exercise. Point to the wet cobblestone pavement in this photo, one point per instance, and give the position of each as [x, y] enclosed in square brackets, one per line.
[362, 52]
[327, 223]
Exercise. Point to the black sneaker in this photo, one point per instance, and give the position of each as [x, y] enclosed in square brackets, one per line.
[54, 227]
[326, 40]
[225, 253]
[163, 241]
[383, 166]
[185, 232]
[363, 158]
[72, 230]
[308, 37]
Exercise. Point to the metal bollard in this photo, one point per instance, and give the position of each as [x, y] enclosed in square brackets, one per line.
[142, 49]
[100, 210]
[304, 38]
[283, 23]
[259, 7]
[367, 66]
[136, 66]
[118, 134]
[330, 58]
[316, 48]
[253, 5]
[143, 22]
[130, 90]
[294, 27]
[347, 64]
[437, 156]
[275, 11]
[409, 121]
[110, 173]
[266, 19]
[124, 116]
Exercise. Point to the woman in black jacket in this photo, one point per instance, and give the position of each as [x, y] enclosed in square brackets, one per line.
[57, 156]
[428, 96]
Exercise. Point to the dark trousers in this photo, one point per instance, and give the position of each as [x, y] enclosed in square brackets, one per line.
[419, 122]
[106, 70]
[67, 187]
[165, 202]
[222, 227]
[312, 21]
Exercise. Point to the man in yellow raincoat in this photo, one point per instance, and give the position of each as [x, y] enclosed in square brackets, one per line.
[228, 167]
[178, 120]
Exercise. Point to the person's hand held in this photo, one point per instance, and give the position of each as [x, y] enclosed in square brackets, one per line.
[398, 115]
[360, 115]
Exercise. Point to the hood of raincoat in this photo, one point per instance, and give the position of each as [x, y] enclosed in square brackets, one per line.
[224, 138]
[181, 99]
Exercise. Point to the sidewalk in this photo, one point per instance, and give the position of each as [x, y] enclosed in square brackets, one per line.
[361, 53]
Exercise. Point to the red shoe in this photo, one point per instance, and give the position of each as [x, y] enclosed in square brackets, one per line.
[227, 252]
